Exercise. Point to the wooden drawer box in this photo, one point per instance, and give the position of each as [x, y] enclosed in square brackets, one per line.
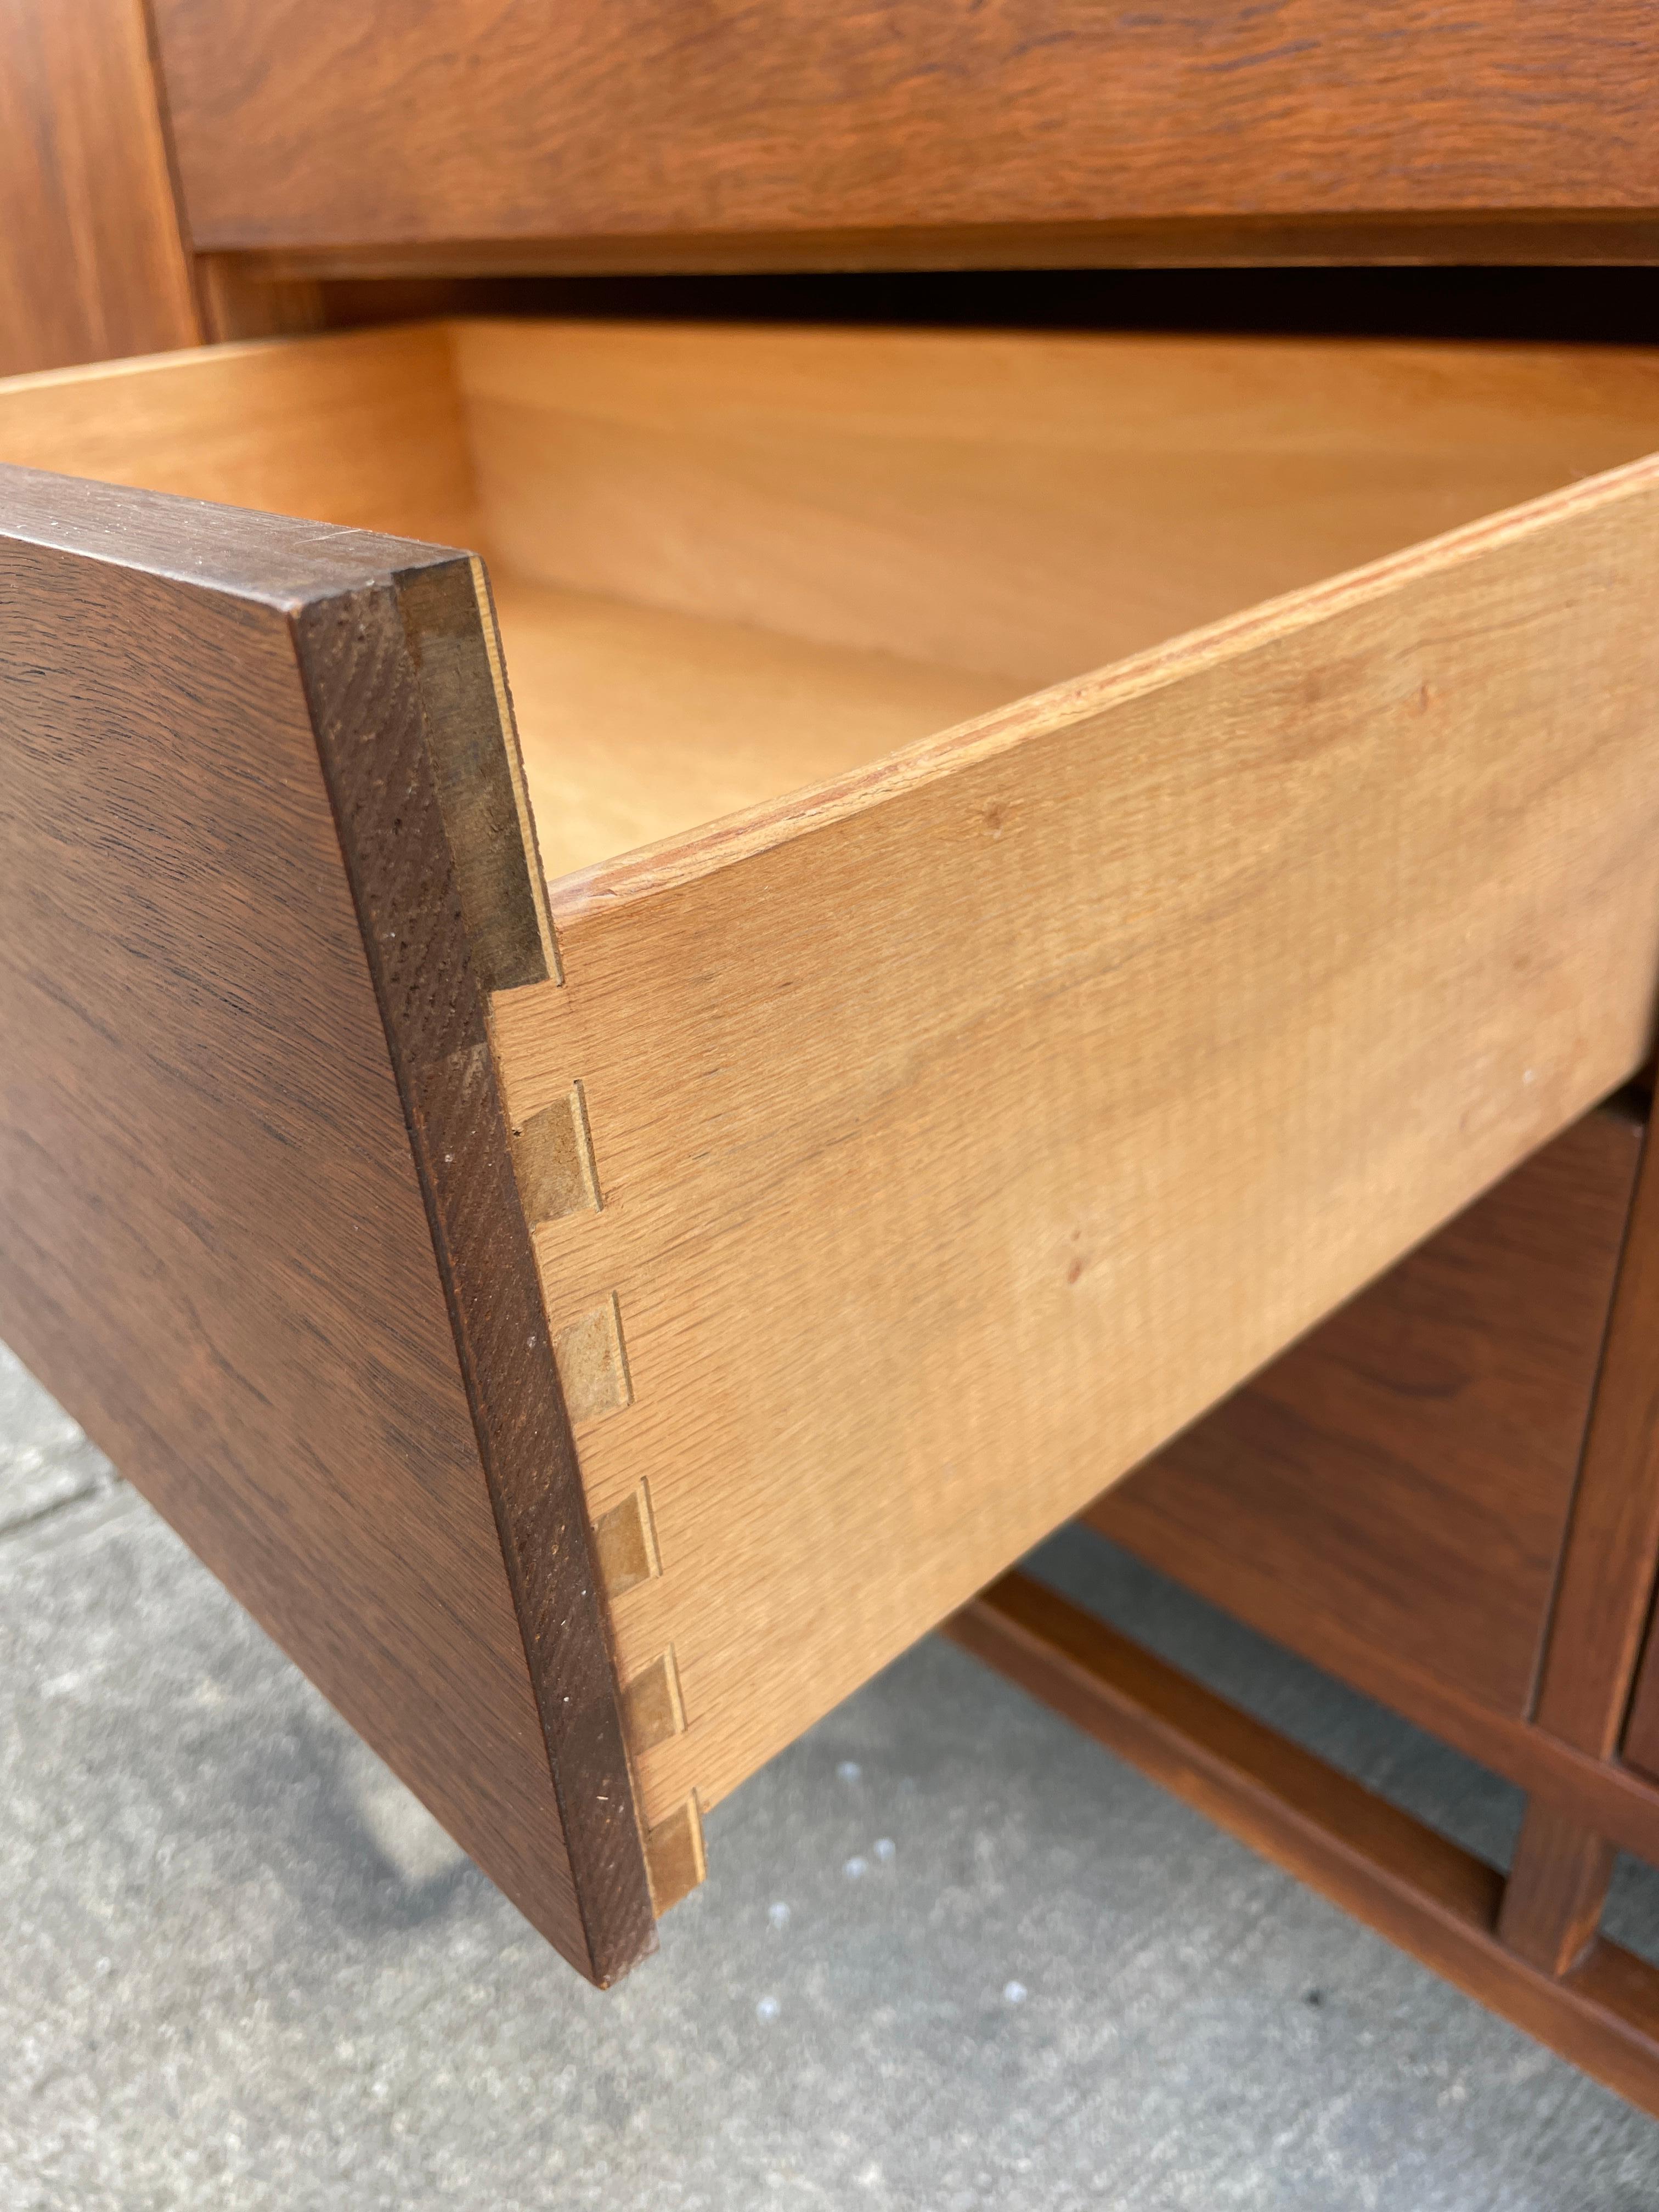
[898, 1135]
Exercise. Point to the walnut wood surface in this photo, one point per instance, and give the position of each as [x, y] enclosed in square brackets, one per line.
[1606, 1596]
[92, 261]
[1395, 1489]
[343, 122]
[1609, 1595]
[1389, 1870]
[220, 1247]
[1557, 1887]
[354, 283]
[1641, 1741]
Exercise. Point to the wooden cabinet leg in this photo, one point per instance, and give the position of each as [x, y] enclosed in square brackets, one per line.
[1398, 1876]
[1557, 1887]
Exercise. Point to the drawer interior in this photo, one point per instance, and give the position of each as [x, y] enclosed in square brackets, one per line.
[730, 563]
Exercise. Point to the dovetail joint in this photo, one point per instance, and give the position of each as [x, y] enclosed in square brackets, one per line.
[653, 1709]
[625, 1541]
[553, 1160]
[674, 1860]
[592, 1363]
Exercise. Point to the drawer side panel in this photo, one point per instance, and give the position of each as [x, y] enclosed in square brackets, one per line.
[975, 1126]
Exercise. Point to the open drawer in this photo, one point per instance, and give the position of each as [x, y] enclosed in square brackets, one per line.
[918, 1075]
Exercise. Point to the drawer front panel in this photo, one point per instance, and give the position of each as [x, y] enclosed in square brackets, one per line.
[963, 1134]
[235, 983]
[624, 128]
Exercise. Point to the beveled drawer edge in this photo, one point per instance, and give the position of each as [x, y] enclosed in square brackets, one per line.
[433, 825]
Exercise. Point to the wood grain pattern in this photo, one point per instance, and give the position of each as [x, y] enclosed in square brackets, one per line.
[1606, 1596]
[776, 554]
[625, 1543]
[675, 1855]
[639, 724]
[653, 1708]
[1005, 1106]
[1394, 1873]
[93, 259]
[553, 1155]
[1615, 1800]
[1557, 1887]
[1020, 506]
[240, 300]
[362, 429]
[592, 1363]
[1391, 1498]
[218, 1252]
[336, 125]
[1640, 1747]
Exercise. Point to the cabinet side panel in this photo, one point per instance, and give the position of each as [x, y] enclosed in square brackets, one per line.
[93, 260]
[215, 1251]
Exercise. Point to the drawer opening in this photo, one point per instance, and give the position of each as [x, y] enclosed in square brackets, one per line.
[731, 564]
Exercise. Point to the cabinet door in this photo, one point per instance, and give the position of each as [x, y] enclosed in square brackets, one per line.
[1390, 1498]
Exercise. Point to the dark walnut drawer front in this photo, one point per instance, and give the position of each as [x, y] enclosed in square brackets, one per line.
[617, 134]
[1029, 871]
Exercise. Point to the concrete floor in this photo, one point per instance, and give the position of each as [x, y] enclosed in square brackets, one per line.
[950, 1957]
